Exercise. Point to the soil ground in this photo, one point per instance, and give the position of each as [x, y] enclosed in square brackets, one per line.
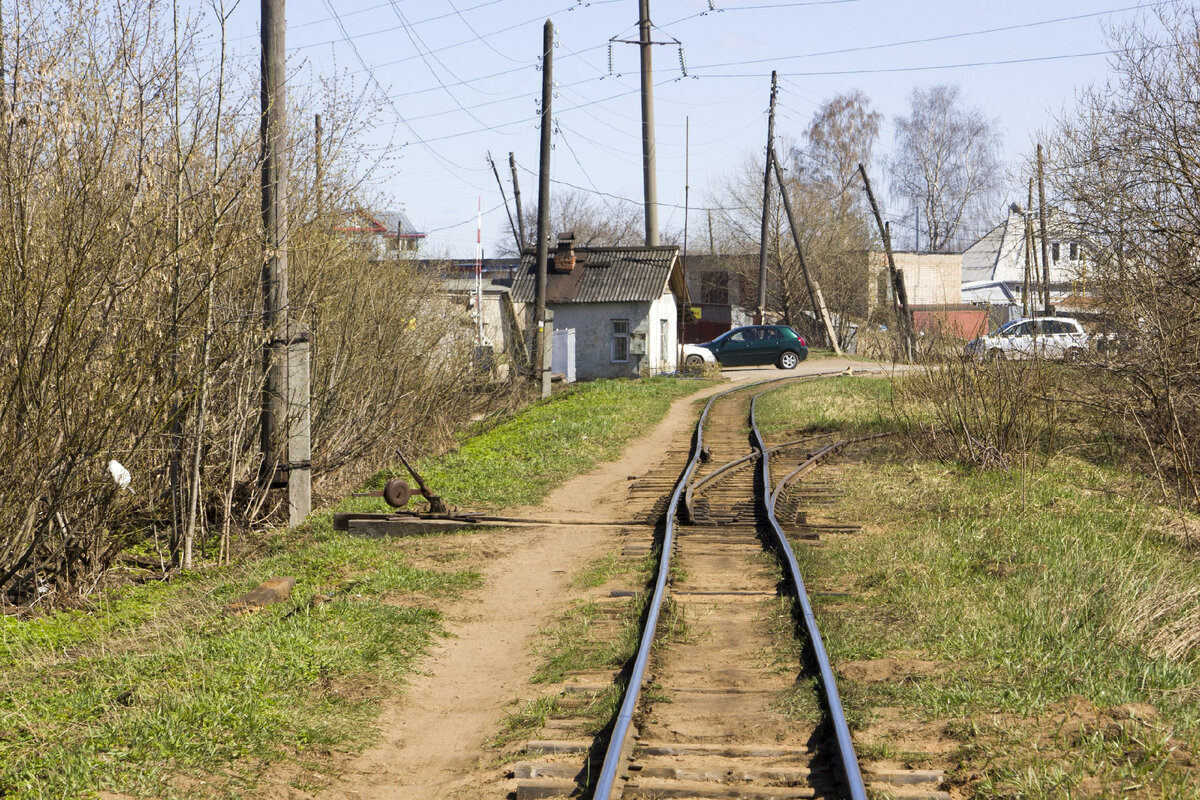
[432, 740]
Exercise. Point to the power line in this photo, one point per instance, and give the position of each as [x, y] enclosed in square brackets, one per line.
[940, 38]
[928, 67]
[399, 116]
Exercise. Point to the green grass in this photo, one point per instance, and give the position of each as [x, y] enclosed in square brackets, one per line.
[1050, 599]
[858, 406]
[153, 692]
[155, 682]
[518, 461]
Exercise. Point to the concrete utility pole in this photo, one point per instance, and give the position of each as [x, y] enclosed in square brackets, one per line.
[649, 179]
[512, 165]
[285, 409]
[766, 204]
[538, 359]
[1042, 225]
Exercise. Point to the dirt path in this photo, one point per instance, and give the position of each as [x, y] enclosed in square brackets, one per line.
[433, 739]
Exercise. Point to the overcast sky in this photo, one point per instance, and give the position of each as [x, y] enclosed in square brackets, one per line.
[454, 79]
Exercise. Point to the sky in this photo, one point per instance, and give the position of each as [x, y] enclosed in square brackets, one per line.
[451, 80]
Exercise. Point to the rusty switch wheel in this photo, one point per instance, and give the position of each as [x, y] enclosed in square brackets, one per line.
[396, 492]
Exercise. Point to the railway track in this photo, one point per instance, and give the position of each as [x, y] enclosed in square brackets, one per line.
[743, 703]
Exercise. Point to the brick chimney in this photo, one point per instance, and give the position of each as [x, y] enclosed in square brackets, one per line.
[564, 254]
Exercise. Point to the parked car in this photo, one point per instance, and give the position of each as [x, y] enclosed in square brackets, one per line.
[1043, 337]
[695, 356]
[758, 344]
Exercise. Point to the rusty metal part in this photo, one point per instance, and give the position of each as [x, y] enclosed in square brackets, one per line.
[436, 506]
[396, 492]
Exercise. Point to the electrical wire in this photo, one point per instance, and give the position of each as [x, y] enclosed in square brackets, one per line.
[939, 38]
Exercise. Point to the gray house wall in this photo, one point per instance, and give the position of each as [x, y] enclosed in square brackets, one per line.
[593, 336]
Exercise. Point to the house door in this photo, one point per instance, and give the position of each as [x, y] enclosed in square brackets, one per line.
[664, 355]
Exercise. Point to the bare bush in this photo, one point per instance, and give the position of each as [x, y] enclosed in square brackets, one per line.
[1124, 170]
[130, 254]
[990, 415]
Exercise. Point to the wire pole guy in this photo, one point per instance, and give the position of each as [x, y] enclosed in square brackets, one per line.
[511, 224]
[899, 294]
[512, 165]
[821, 311]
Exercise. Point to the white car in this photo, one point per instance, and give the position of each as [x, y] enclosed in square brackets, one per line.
[1042, 337]
[695, 357]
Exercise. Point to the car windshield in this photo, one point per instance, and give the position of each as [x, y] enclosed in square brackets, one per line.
[1006, 327]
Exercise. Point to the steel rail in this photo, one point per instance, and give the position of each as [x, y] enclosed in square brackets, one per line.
[616, 742]
[814, 459]
[696, 486]
[850, 769]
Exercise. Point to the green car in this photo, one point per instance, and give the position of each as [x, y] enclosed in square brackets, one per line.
[755, 345]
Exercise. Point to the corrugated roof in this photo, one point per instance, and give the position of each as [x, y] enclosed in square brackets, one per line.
[603, 275]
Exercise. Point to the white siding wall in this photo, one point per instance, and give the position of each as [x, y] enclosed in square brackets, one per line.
[663, 309]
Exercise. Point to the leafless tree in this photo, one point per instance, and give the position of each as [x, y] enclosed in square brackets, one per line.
[946, 164]
[1124, 171]
[595, 220]
[834, 230]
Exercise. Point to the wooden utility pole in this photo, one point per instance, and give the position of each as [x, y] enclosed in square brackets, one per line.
[285, 408]
[511, 224]
[1030, 259]
[649, 179]
[813, 287]
[899, 294]
[1042, 225]
[512, 165]
[766, 205]
[538, 359]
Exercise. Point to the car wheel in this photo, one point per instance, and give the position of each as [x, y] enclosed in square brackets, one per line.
[1074, 355]
[694, 361]
[996, 354]
[788, 360]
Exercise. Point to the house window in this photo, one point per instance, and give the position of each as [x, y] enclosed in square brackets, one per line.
[664, 335]
[1074, 251]
[1054, 252]
[620, 340]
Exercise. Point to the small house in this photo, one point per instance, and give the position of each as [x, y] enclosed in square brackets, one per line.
[622, 302]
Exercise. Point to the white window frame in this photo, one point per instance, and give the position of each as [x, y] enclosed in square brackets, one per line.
[619, 329]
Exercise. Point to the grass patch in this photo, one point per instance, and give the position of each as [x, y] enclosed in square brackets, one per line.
[858, 406]
[155, 683]
[151, 691]
[598, 572]
[518, 461]
[1062, 622]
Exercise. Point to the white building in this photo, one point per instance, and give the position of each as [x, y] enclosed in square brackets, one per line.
[993, 269]
[622, 302]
